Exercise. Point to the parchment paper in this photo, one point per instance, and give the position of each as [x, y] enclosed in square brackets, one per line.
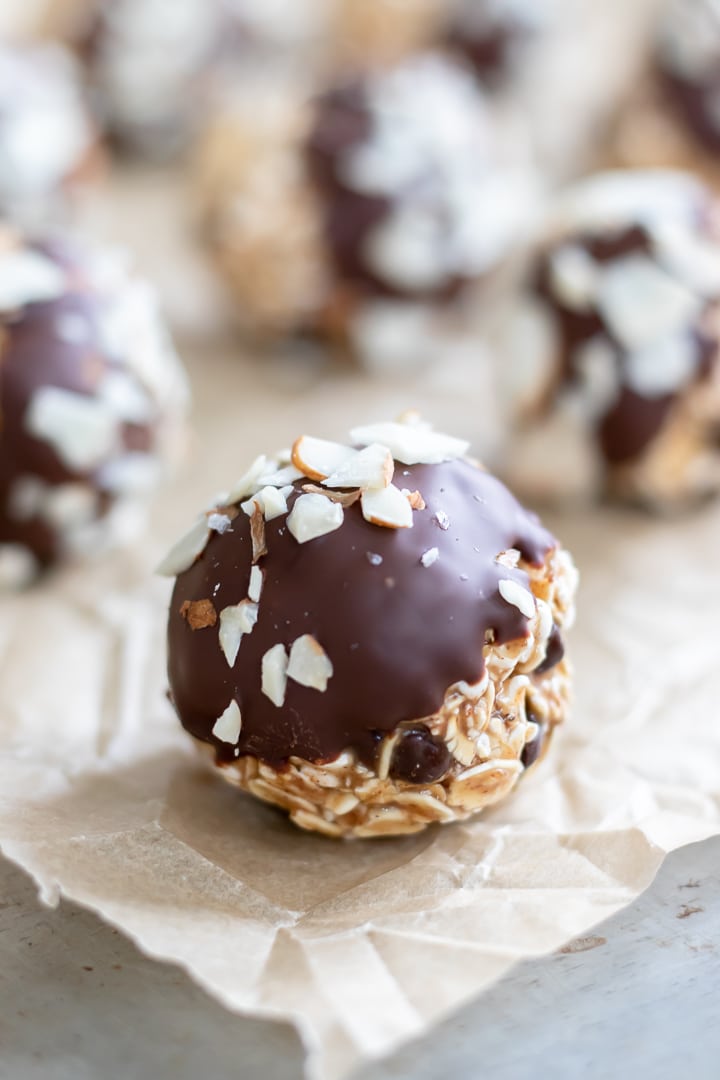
[363, 944]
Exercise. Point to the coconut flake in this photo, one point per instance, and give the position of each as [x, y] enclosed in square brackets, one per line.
[227, 727]
[411, 443]
[274, 674]
[309, 664]
[387, 507]
[313, 516]
[235, 621]
[188, 548]
[514, 593]
[372, 467]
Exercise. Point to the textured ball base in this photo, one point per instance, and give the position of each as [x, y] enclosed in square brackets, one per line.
[489, 735]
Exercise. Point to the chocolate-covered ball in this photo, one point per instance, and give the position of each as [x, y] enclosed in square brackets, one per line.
[151, 65]
[688, 59]
[46, 137]
[370, 635]
[366, 218]
[615, 345]
[91, 394]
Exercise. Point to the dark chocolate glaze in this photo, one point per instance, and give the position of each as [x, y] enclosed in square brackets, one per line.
[633, 421]
[342, 121]
[398, 634]
[555, 652]
[32, 356]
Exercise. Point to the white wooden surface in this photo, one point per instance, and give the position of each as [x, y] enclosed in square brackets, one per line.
[636, 999]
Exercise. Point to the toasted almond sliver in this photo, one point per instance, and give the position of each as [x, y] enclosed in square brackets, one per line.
[236, 620]
[387, 506]
[514, 593]
[372, 467]
[309, 664]
[274, 674]
[227, 727]
[415, 499]
[345, 498]
[318, 458]
[412, 444]
[313, 516]
[188, 548]
[199, 614]
[257, 533]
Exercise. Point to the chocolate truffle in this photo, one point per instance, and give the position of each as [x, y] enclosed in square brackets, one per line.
[614, 345]
[366, 218]
[91, 393]
[370, 635]
[46, 137]
[688, 59]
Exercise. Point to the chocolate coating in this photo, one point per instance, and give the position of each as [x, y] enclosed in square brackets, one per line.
[632, 420]
[555, 652]
[397, 633]
[65, 343]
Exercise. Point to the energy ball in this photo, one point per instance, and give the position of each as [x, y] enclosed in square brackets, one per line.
[47, 141]
[91, 396]
[614, 345]
[365, 218]
[150, 64]
[370, 635]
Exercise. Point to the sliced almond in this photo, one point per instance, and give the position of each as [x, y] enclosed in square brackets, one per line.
[372, 467]
[274, 674]
[248, 483]
[227, 727]
[318, 458]
[413, 444]
[514, 593]
[189, 547]
[313, 516]
[345, 498]
[257, 534]
[235, 621]
[199, 614]
[256, 584]
[387, 506]
[272, 501]
[415, 499]
[309, 664]
[509, 558]
[280, 477]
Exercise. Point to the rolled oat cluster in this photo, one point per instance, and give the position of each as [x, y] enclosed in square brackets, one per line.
[615, 345]
[91, 397]
[46, 137]
[370, 635]
[365, 218]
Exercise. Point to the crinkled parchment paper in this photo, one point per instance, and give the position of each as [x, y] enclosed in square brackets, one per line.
[361, 944]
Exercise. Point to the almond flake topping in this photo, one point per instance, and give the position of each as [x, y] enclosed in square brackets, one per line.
[198, 614]
[319, 458]
[372, 467]
[412, 444]
[227, 727]
[257, 534]
[388, 507]
[187, 549]
[271, 500]
[313, 516]
[514, 593]
[509, 558]
[430, 556]
[274, 674]
[309, 664]
[249, 483]
[344, 498]
[414, 498]
[256, 584]
[235, 621]
[280, 478]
